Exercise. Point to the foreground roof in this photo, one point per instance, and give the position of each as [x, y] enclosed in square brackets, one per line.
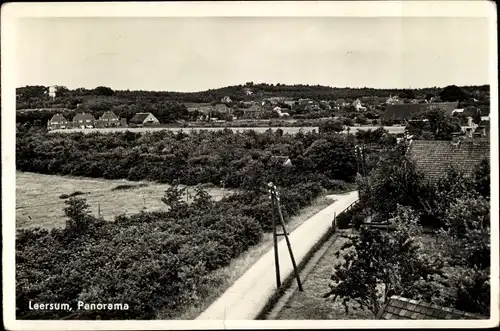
[403, 308]
[434, 157]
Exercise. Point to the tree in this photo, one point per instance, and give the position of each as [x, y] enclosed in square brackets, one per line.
[407, 94]
[331, 126]
[442, 125]
[397, 180]
[476, 117]
[376, 265]
[103, 90]
[452, 93]
[482, 178]
[466, 244]
[79, 217]
[361, 119]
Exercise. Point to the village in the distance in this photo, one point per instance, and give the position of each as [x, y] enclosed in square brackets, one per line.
[162, 205]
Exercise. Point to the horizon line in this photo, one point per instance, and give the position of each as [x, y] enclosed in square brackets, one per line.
[260, 83]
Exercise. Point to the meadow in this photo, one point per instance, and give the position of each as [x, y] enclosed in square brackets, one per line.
[38, 201]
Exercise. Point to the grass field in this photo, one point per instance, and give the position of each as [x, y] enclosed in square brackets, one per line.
[38, 202]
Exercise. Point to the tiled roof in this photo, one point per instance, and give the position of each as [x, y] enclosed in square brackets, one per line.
[139, 118]
[221, 108]
[403, 308]
[407, 111]
[434, 157]
[58, 118]
[255, 108]
[109, 115]
[83, 117]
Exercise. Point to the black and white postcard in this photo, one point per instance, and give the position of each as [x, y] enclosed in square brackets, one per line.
[231, 165]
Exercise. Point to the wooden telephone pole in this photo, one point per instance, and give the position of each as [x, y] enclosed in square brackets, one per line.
[275, 205]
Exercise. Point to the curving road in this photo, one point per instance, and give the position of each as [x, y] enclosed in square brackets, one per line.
[246, 298]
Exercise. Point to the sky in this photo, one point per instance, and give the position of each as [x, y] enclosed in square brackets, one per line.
[196, 54]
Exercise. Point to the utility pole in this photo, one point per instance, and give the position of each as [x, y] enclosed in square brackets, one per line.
[275, 205]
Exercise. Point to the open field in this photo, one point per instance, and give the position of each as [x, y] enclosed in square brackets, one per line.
[37, 196]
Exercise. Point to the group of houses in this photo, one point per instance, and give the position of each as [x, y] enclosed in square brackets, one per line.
[107, 120]
[394, 108]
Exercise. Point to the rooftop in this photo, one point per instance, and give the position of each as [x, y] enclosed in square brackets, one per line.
[139, 117]
[434, 157]
[403, 308]
[83, 117]
[407, 111]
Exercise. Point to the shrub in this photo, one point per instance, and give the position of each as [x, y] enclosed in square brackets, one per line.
[128, 186]
[343, 220]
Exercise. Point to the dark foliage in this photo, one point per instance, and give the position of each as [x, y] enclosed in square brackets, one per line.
[128, 187]
[242, 160]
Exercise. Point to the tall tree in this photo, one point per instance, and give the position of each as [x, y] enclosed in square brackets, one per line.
[452, 93]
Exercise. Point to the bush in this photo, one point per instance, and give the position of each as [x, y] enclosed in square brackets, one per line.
[150, 261]
[343, 220]
[128, 186]
[77, 193]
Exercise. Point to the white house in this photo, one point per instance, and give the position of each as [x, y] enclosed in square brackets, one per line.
[52, 91]
[357, 104]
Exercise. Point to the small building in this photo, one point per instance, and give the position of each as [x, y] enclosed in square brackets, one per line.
[358, 106]
[470, 127]
[57, 121]
[123, 122]
[226, 99]
[83, 121]
[483, 130]
[393, 100]
[222, 108]
[254, 111]
[399, 308]
[143, 119]
[109, 119]
[52, 91]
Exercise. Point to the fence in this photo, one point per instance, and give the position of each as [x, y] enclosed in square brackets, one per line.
[334, 222]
